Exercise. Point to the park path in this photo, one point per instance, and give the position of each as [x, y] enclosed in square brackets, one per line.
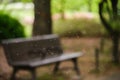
[115, 76]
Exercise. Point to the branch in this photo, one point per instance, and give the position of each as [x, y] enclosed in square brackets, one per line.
[105, 23]
[114, 8]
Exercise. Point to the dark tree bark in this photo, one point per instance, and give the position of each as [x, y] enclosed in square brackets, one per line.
[114, 33]
[114, 8]
[106, 25]
[115, 41]
[42, 22]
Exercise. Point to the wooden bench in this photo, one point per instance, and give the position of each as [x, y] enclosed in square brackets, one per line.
[29, 53]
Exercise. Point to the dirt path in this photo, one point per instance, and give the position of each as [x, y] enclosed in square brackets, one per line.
[115, 76]
[87, 62]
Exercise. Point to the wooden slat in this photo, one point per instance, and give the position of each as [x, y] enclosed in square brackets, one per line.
[62, 57]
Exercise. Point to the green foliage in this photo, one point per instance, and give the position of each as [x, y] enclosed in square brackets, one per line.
[26, 1]
[69, 5]
[11, 1]
[20, 13]
[10, 27]
[116, 25]
[74, 5]
[74, 27]
[109, 15]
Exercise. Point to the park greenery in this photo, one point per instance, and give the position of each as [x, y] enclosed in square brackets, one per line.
[59, 5]
[12, 29]
[77, 27]
[72, 6]
[70, 27]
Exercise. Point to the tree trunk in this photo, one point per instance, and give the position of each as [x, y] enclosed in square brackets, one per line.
[63, 9]
[105, 23]
[90, 5]
[42, 22]
[114, 33]
[115, 53]
[114, 8]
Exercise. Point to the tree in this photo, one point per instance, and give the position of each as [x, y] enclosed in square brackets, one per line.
[89, 5]
[108, 11]
[42, 22]
[63, 9]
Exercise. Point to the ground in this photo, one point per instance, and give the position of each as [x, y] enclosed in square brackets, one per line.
[107, 71]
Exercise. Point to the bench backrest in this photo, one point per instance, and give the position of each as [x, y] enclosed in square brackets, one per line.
[25, 49]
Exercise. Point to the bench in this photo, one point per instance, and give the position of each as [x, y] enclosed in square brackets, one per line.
[30, 53]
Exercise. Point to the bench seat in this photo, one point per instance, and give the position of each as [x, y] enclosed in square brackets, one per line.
[39, 62]
[62, 57]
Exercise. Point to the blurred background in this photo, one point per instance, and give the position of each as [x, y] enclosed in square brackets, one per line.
[78, 24]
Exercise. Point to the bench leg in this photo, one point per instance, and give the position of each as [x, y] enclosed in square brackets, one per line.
[13, 74]
[56, 67]
[76, 65]
[33, 74]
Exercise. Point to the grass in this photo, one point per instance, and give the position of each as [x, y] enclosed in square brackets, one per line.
[78, 27]
[47, 76]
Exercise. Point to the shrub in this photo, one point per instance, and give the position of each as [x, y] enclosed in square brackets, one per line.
[10, 27]
[78, 27]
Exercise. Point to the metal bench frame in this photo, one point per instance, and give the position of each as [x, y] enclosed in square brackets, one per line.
[30, 53]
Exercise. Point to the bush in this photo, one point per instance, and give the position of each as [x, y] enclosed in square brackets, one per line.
[79, 27]
[10, 27]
